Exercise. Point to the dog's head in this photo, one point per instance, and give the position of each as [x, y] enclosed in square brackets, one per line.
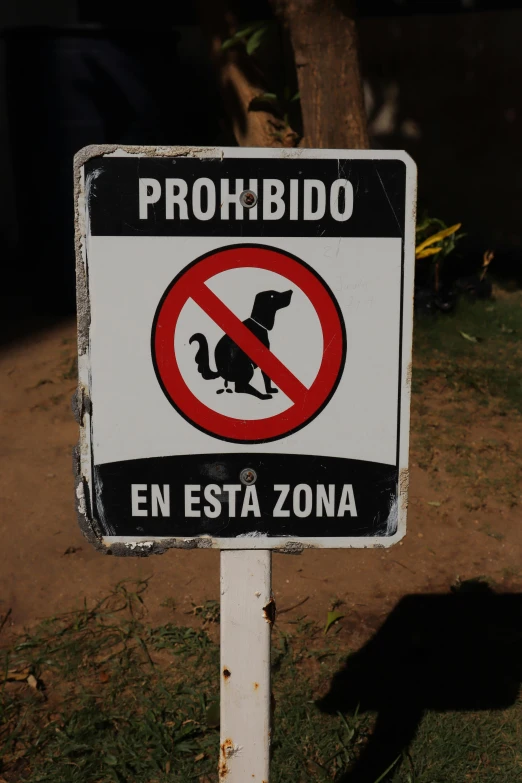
[266, 305]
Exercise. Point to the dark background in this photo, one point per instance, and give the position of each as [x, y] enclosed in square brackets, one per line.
[441, 81]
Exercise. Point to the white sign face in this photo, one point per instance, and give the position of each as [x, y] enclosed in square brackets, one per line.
[244, 367]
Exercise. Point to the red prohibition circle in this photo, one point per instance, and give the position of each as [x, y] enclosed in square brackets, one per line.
[307, 404]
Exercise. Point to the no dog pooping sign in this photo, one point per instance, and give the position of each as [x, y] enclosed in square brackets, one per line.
[245, 345]
[245, 324]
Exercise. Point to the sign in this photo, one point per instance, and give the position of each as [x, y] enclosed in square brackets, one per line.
[245, 322]
[245, 345]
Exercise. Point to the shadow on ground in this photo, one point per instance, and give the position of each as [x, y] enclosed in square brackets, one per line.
[461, 651]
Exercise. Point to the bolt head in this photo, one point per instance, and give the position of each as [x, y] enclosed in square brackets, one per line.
[248, 476]
[248, 199]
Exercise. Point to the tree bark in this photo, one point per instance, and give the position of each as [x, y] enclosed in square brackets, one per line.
[324, 39]
[239, 81]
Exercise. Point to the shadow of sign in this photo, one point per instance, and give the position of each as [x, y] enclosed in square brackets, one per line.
[459, 651]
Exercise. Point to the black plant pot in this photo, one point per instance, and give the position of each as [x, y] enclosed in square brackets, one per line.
[427, 302]
[475, 288]
[423, 303]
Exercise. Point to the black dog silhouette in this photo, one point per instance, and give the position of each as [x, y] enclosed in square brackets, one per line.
[233, 364]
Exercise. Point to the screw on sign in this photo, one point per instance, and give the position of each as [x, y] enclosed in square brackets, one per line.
[247, 476]
[245, 345]
[248, 199]
[244, 332]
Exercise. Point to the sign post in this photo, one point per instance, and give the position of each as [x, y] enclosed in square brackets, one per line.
[244, 337]
[246, 620]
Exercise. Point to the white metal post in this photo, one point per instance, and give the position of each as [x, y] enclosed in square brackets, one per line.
[247, 612]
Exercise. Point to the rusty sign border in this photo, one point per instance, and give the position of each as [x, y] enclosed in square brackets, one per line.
[84, 485]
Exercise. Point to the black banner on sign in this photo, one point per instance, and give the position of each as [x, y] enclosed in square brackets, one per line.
[201, 494]
[179, 196]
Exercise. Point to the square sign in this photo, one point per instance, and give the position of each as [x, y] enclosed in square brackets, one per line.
[245, 325]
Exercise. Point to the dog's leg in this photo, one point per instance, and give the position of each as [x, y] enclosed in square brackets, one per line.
[268, 385]
[246, 388]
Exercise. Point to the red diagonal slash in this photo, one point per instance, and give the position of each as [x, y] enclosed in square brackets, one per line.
[248, 342]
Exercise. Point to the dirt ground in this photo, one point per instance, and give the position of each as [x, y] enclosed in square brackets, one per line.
[463, 518]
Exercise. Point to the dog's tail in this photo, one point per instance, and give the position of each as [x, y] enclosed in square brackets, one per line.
[201, 357]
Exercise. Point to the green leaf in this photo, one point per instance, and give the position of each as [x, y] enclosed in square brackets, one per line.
[435, 503]
[241, 35]
[111, 760]
[229, 42]
[296, 97]
[332, 618]
[469, 337]
[212, 714]
[255, 39]
[386, 771]
[246, 31]
[260, 101]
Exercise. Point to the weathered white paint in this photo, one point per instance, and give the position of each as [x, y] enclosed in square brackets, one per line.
[245, 666]
[274, 542]
[84, 364]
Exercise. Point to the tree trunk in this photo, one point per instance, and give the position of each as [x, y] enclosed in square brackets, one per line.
[240, 80]
[324, 38]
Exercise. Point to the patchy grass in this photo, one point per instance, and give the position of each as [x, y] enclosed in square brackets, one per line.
[98, 695]
[208, 612]
[114, 700]
[103, 708]
[467, 398]
[477, 348]
[483, 747]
